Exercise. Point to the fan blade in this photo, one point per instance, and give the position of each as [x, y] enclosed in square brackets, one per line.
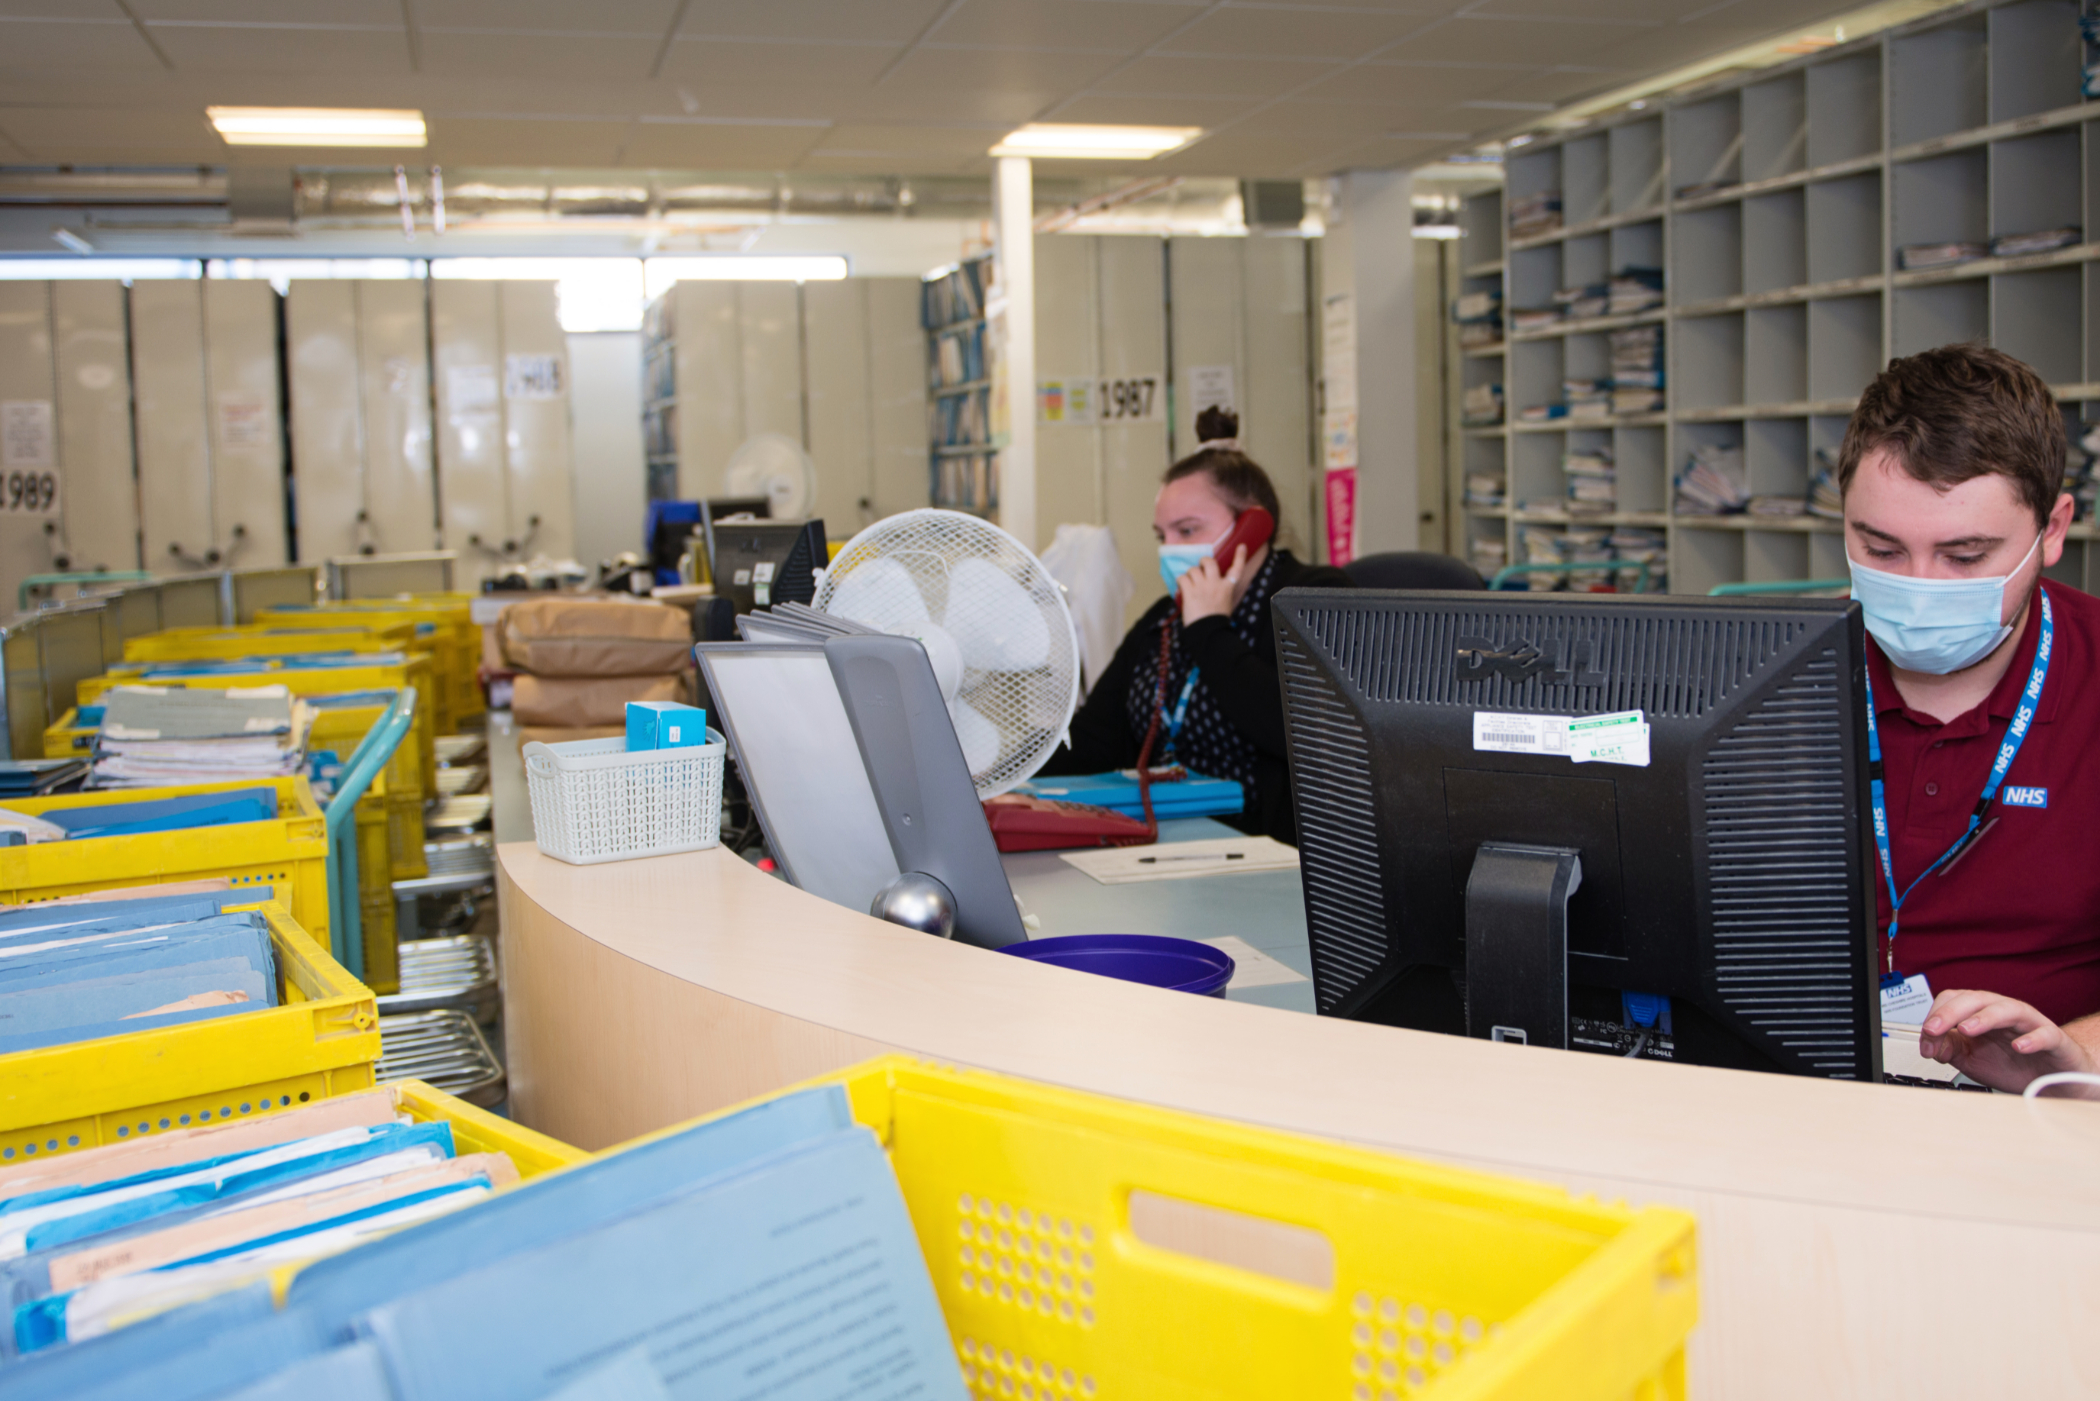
[979, 736]
[882, 595]
[997, 625]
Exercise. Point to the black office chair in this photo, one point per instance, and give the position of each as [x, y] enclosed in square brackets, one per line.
[1412, 569]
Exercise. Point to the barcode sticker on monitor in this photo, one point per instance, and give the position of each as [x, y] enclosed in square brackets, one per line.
[1520, 734]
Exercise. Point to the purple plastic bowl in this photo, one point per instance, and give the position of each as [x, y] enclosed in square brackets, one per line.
[1179, 965]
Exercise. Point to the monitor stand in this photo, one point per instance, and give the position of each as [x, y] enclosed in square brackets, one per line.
[1517, 942]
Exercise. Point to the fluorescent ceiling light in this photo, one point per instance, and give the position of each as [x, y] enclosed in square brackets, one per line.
[317, 126]
[1058, 141]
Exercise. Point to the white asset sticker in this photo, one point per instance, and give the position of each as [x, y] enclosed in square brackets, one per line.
[1520, 734]
[1620, 738]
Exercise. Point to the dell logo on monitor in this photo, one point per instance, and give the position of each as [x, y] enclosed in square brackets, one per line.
[1522, 659]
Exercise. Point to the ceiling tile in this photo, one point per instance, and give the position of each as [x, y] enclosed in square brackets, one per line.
[1415, 84]
[1294, 33]
[809, 70]
[651, 17]
[934, 141]
[904, 102]
[79, 11]
[448, 54]
[1645, 11]
[30, 45]
[1065, 23]
[1329, 123]
[827, 163]
[1231, 153]
[838, 21]
[1034, 69]
[1539, 42]
[1214, 77]
[1657, 49]
[1560, 85]
[1131, 109]
[691, 146]
[486, 141]
[249, 50]
[288, 12]
[106, 126]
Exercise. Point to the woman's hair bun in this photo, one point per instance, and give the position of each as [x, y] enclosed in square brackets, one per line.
[1215, 423]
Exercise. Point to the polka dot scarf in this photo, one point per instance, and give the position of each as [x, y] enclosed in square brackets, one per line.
[1208, 743]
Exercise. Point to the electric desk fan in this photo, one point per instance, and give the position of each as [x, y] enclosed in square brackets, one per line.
[774, 466]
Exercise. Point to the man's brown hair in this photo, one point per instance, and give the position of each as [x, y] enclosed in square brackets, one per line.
[1957, 413]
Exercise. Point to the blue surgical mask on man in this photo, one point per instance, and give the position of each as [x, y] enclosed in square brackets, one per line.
[1177, 560]
[1936, 626]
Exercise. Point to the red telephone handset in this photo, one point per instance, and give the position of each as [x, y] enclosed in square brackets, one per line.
[1253, 527]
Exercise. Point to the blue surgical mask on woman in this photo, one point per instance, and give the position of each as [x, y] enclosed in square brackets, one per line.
[1937, 626]
[1177, 560]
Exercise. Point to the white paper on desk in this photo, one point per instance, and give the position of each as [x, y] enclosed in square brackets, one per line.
[1251, 968]
[1124, 865]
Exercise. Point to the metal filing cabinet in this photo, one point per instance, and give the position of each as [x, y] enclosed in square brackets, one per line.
[360, 379]
[209, 424]
[504, 443]
[67, 499]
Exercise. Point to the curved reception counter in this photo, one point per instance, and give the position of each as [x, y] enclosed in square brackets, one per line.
[1854, 1240]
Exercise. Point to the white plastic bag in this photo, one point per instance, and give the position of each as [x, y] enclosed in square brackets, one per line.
[1097, 587]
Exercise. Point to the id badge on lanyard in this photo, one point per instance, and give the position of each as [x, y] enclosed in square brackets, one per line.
[1901, 996]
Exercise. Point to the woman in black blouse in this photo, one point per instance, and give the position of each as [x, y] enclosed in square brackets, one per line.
[1229, 723]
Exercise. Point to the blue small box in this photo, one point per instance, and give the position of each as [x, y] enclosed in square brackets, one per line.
[665, 725]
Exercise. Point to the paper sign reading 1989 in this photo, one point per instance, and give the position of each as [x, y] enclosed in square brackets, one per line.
[26, 492]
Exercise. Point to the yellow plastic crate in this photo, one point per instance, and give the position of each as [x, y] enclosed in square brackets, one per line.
[320, 1042]
[68, 738]
[375, 889]
[456, 637]
[270, 640]
[289, 852]
[342, 727]
[303, 681]
[1085, 1246]
[478, 1131]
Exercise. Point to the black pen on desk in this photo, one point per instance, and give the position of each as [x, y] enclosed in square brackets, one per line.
[1204, 856]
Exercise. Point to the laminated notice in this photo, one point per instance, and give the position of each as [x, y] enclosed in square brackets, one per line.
[1618, 738]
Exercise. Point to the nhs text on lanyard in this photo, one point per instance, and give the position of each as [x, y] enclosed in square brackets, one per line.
[2015, 734]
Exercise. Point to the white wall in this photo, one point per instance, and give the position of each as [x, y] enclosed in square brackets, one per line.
[605, 398]
[1368, 255]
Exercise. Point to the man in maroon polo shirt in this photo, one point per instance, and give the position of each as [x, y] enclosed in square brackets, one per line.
[1952, 471]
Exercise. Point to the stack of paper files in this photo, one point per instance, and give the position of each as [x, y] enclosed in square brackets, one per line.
[33, 778]
[1913, 257]
[1190, 796]
[1713, 483]
[76, 972]
[1635, 289]
[159, 735]
[766, 1253]
[91, 1240]
[2018, 245]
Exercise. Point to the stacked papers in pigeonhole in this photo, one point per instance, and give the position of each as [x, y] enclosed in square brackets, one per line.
[76, 972]
[91, 1241]
[154, 735]
[1593, 486]
[1712, 483]
[765, 1253]
[1637, 370]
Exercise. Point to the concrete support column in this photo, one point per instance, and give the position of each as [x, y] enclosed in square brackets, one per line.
[1367, 275]
[1010, 325]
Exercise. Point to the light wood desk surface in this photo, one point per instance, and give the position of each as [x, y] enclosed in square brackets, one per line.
[1855, 1240]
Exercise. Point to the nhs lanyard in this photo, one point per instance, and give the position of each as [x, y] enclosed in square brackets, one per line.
[2015, 733]
[1181, 708]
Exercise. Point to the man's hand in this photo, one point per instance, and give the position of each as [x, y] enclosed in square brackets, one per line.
[1207, 592]
[1998, 1041]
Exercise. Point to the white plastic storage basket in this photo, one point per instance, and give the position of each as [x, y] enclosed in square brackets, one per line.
[593, 801]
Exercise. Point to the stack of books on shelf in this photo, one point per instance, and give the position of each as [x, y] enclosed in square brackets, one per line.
[1488, 555]
[1634, 290]
[1637, 370]
[957, 296]
[1581, 303]
[958, 356]
[959, 421]
[1541, 545]
[1535, 215]
[1921, 257]
[1537, 318]
[1484, 489]
[1825, 501]
[1588, 544]
[2082, 472]
[1542, 413]
[1779, 507]
[1481, 406]
[1587, 398]
[1593, 487]
[1712, 483]
[1636, 545]
[1479, 318]
[2019, 245]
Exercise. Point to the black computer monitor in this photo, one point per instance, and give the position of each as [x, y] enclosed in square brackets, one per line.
[756, 564]
[1722, 915]
[725, 508]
